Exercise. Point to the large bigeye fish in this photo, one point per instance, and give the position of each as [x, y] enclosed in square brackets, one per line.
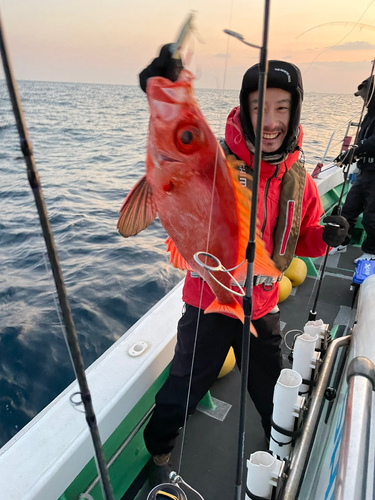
[195, 192]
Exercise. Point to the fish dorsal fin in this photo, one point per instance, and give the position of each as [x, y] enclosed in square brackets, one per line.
[138, 210]
[263, 265]
[175, 257]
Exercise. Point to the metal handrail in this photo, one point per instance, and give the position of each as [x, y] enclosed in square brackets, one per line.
[303, 446]
[349, 124]
[351, 478]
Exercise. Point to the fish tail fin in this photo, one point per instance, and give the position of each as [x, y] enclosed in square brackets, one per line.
[234, 309]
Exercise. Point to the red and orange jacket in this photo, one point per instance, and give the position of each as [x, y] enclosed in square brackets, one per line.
[309, 243]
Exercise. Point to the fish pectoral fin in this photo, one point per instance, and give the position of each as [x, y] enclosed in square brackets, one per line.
[234, 309]
[175, 258]
[138, 210]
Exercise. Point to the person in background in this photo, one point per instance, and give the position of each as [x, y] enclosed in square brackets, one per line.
[361, 197]
[289, 212]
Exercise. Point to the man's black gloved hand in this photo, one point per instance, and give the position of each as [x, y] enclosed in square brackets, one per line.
[164, 65]
[336, 230]
[359, 151]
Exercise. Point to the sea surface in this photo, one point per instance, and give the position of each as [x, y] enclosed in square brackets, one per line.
[89, 145]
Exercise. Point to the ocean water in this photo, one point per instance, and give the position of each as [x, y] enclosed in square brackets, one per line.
[89, 146]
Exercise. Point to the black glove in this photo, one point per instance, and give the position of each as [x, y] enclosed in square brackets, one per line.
[164, 65]
[359, 151]
[336, 230]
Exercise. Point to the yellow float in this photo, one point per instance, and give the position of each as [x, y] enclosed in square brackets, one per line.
[285, 287]
[229, 363]
[296, 272]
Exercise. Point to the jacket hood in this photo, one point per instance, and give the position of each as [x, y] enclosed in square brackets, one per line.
[366, 91]
[281, 75]
[236, 141]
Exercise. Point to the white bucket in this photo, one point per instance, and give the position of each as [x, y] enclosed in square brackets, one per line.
[284, 404]
[259, 474]
[303, 356]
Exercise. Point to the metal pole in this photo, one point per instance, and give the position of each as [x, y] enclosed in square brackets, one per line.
[351, 479]
[250, 255]
[72, 339]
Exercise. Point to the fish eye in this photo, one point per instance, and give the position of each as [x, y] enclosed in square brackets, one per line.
[188, 138]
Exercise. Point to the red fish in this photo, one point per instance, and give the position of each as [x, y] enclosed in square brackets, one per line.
[195, 192]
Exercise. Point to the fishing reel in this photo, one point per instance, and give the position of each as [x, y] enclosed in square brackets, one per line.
[167, 491]
[346, 158]
[172, 490]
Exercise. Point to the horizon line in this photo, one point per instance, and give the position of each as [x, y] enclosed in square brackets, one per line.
[132, 85]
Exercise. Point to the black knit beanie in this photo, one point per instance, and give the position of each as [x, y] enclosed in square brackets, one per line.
[281, 75]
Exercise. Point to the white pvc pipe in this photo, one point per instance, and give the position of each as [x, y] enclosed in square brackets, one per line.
[303, 355]
[259, 474]
[284, 405]
[313, 328]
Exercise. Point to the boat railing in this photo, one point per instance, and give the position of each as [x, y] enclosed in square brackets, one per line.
[351, 479]
[349, 123]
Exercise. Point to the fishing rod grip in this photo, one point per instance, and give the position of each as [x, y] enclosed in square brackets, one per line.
[250, 251]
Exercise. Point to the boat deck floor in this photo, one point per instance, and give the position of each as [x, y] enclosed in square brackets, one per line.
[209, 454]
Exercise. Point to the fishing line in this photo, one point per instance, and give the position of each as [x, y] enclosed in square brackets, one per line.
[342, 39]
[206, 251]
[315, 284]
[54, 297]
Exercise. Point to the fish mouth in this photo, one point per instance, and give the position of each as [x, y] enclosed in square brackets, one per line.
[162, 157]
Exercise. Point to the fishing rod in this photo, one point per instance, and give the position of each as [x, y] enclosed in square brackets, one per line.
[250, 251]
[346, 162]
[71, 334]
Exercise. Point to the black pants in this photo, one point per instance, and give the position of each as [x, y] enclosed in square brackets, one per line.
[361, 198]
[216, 334]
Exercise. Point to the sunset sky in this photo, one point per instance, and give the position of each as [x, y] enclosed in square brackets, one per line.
[111, 41]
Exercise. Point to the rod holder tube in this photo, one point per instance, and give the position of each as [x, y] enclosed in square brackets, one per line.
[285, 399]
[303, 357]
[263, 470]
[318, 328]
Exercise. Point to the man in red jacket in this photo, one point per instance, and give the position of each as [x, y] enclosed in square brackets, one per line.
[289, 212]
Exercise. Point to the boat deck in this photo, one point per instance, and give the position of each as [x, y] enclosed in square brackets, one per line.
[209, 460]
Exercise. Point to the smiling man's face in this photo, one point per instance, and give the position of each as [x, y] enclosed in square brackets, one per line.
[276, 117]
